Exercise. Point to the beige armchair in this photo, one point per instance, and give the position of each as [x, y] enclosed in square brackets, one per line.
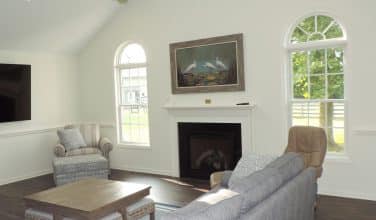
[95, 143]
[311, 143]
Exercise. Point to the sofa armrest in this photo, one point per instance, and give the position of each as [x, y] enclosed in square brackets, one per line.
[59, 150]
[215, 178]
[105, 146]
[220, 178]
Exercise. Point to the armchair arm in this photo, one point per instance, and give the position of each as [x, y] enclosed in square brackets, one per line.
[105, 146]
[220, 178]
[59, 150]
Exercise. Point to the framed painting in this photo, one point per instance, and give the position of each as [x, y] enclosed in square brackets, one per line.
[207, 65]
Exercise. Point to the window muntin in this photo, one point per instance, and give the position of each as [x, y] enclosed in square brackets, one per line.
[315, 28]
[316, 96]
[318, 73]
[133, 53]
[132, 96]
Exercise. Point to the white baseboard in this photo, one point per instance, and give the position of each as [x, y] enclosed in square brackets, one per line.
[143, 170]
[24, 177]
[347, 194]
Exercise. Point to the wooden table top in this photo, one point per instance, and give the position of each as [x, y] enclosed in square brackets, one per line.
[89, 195]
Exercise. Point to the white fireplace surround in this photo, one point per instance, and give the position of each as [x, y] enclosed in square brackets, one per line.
[241, 114]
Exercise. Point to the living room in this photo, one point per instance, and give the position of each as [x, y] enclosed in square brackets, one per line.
[296, 62]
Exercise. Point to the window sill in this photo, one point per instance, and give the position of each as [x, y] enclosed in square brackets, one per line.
[338, 158]
[134, 146]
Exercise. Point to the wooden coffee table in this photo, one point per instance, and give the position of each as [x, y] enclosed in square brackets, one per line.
[88, 198]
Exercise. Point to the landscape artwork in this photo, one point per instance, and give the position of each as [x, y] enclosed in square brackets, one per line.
[208, 65]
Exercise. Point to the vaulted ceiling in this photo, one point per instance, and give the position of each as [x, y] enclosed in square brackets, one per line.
[52, 25]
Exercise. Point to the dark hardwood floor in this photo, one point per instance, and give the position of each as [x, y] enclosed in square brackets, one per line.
[175, 191]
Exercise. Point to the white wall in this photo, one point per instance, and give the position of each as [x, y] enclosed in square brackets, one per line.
[156, 23]
[26, 147]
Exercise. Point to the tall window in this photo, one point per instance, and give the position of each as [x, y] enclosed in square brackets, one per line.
[316, 49]
[132, 95]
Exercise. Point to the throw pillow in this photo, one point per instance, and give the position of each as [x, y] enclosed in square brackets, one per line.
[71, 138]
[249, 164]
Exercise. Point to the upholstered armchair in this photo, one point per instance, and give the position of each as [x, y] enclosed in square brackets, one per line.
[308, 141]
[95, 143]
[311, 143]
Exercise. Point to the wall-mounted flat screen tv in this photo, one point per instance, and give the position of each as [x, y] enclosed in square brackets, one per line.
[15, 92]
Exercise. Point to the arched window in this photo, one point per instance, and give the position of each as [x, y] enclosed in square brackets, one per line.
[132, 95]
[316, 97]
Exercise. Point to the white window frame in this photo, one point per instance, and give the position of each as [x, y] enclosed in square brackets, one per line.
[317, 45]
[118, 67]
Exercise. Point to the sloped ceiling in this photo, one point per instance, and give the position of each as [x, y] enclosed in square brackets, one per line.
[52, 25]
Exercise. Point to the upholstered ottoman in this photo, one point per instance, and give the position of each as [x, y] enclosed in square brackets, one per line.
[32, 214]
[74, 168]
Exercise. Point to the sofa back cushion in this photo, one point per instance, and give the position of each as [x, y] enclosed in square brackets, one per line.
[288, 165]
[257, 187]
[293, 201]
[219, 203]
[249, 164]
[261, 184]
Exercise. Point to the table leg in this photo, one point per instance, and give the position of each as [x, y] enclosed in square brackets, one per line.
[58, 217]
[123, 212]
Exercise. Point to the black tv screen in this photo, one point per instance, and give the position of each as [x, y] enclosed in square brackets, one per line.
[15, 92]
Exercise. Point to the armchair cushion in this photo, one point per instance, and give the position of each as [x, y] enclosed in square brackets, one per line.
[71, 138]
[91, 134]
[83, 151]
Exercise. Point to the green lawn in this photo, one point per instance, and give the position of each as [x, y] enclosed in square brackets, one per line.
[135, 125]
[338, 142]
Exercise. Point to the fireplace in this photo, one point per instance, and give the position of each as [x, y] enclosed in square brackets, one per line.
[208, 147]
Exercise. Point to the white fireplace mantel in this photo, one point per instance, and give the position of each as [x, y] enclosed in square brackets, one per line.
[209, 113]
[209, 107]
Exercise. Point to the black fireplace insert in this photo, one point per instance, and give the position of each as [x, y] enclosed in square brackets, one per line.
[208, 147]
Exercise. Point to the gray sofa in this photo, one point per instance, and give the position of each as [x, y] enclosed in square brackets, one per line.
[283, 190]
